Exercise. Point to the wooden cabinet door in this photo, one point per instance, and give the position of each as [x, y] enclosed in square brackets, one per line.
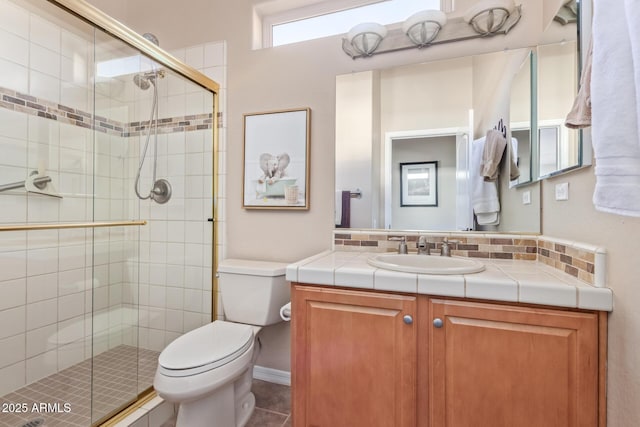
[501, 366]
[353, 358]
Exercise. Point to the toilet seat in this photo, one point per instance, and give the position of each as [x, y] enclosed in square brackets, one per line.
[205, 348]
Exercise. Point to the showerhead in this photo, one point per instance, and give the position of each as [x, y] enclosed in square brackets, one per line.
[152, 38]
[145, 80]
[142, 81]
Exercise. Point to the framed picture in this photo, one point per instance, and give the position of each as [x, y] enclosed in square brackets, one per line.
[276, 160]
[419, 184]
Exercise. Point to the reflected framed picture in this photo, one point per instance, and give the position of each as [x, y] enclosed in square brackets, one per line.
[419, 184]
[276, 160]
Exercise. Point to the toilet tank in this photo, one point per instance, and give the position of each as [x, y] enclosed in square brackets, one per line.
[253, 291]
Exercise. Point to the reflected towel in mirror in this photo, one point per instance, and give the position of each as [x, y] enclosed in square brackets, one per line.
[343, 209]
[514, 171]
[492, 153]
[484, 194]
[580, 114]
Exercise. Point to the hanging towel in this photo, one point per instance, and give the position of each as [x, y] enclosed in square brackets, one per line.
[494, 146]
[346, 209]
[484, 195]
[632, 13]
[580, 114]
[615, 88]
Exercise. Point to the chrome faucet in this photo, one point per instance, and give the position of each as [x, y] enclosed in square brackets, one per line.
[423, 246]
[446, 247]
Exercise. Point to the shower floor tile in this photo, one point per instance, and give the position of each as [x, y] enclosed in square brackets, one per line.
[65, 399]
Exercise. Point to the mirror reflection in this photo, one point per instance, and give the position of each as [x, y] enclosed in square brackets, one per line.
[432, 112]
[426, 112]
[520, 121]
[559, 146]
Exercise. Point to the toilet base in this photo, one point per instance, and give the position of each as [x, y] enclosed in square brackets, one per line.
[229, 406]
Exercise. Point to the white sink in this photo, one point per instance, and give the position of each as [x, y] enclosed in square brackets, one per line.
[426, 264]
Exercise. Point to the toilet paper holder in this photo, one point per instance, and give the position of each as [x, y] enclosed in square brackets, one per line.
[285, 312]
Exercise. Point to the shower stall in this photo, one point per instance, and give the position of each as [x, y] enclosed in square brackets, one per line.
[107, 184]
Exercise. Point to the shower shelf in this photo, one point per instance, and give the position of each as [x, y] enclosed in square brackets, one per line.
[29, 227]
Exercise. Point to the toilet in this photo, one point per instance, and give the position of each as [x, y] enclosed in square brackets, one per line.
[208, 371]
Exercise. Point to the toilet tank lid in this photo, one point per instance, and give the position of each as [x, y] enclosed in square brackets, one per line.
[252, 267]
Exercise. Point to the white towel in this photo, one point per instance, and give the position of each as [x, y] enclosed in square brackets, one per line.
[484, 195]
[615, 87]
[632, 12]
[338, 210]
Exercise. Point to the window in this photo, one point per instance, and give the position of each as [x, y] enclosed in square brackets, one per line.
[311, 23]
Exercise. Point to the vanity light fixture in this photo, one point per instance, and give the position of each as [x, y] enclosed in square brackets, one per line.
[423, 27]
[366, 37]
[487, 17]
[432, 27]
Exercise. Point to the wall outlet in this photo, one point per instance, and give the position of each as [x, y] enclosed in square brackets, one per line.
[526, 197]
[562, 191]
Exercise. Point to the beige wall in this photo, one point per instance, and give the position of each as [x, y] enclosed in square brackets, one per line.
[577, 219]
[304, 75]
[355, 111]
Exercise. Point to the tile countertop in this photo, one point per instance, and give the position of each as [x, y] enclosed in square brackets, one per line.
[528, 282]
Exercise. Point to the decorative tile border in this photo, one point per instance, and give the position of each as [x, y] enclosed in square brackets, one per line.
[585, 262]
[16, 101]
[521, 247]
[577, 259]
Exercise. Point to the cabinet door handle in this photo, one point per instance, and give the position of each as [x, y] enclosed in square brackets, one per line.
[438, 323]
[407, 319]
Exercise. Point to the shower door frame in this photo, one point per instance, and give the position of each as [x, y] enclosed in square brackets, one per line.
[104, 22]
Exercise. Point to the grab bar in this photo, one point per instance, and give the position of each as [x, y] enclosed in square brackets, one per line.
[20, 184]
[30, 227]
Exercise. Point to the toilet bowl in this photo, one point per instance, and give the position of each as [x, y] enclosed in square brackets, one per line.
[208, 371]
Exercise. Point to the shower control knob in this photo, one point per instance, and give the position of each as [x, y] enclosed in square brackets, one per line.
[438, 323]
[407, 319]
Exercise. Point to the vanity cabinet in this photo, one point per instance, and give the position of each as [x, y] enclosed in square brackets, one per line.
[500, 365]
[365, 358]
[354, 358]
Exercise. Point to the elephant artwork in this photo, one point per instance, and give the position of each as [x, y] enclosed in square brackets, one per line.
[273, 167]
[276, 160]
[274, 177]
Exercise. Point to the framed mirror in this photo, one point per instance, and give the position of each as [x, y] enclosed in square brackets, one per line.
[429, 112]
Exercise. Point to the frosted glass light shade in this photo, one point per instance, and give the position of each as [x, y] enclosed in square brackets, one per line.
[489, 16]
[423, 27]
[366, 37]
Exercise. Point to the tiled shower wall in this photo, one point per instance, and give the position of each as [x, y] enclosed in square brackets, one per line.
[176, 247]
[59, 287]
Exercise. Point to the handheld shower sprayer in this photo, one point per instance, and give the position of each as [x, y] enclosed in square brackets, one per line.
[161, 190]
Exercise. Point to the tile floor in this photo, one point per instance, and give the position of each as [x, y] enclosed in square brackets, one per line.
[273, 406]
[116, 380]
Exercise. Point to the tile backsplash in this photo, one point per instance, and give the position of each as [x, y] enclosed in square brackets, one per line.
[583, 261]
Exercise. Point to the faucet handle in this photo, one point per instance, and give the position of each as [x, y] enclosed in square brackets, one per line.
[402, 246]
[446, 246]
